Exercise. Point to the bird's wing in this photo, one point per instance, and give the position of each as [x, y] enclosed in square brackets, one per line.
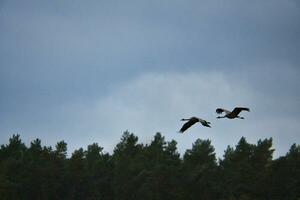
[237, 110]
[220, 110]
[188, 124]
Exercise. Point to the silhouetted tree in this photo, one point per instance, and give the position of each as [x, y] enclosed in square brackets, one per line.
[152, 171]
[77, 169]
[159, 171]
[245, 170]
[124, 170]
[200, 168]
[11, 170]
[285, 176]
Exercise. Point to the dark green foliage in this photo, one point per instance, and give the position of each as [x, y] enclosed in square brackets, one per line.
[200, 169]
[152, 171]
[285, 175]
[159, 171]
[245, 169]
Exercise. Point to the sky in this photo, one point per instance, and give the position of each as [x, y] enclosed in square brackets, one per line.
[86, 71]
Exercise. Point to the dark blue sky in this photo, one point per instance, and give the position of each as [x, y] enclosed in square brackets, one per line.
[87, 71]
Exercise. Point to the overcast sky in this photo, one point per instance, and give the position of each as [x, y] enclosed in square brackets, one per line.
[86, 71]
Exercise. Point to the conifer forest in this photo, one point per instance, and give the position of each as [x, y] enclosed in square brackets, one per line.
[148, 171]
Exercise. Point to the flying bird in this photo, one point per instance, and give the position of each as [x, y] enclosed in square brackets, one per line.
[190, 122]
[233, 114]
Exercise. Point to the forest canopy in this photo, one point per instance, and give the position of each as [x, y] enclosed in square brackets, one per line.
[148, 171]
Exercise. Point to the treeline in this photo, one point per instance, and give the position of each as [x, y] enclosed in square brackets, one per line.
[137, 171]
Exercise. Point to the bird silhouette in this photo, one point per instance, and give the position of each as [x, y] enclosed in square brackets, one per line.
[233, 114]
[191, 121]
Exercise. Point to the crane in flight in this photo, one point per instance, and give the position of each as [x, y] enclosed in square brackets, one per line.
[191, 121]
[233, 114]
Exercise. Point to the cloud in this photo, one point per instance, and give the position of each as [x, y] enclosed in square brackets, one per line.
[155, 102]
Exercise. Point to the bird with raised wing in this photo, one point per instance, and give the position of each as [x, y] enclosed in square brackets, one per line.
[233, 114]
[191, 121]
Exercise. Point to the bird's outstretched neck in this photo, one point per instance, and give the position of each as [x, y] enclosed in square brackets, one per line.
[184, 119]
[220, 117]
